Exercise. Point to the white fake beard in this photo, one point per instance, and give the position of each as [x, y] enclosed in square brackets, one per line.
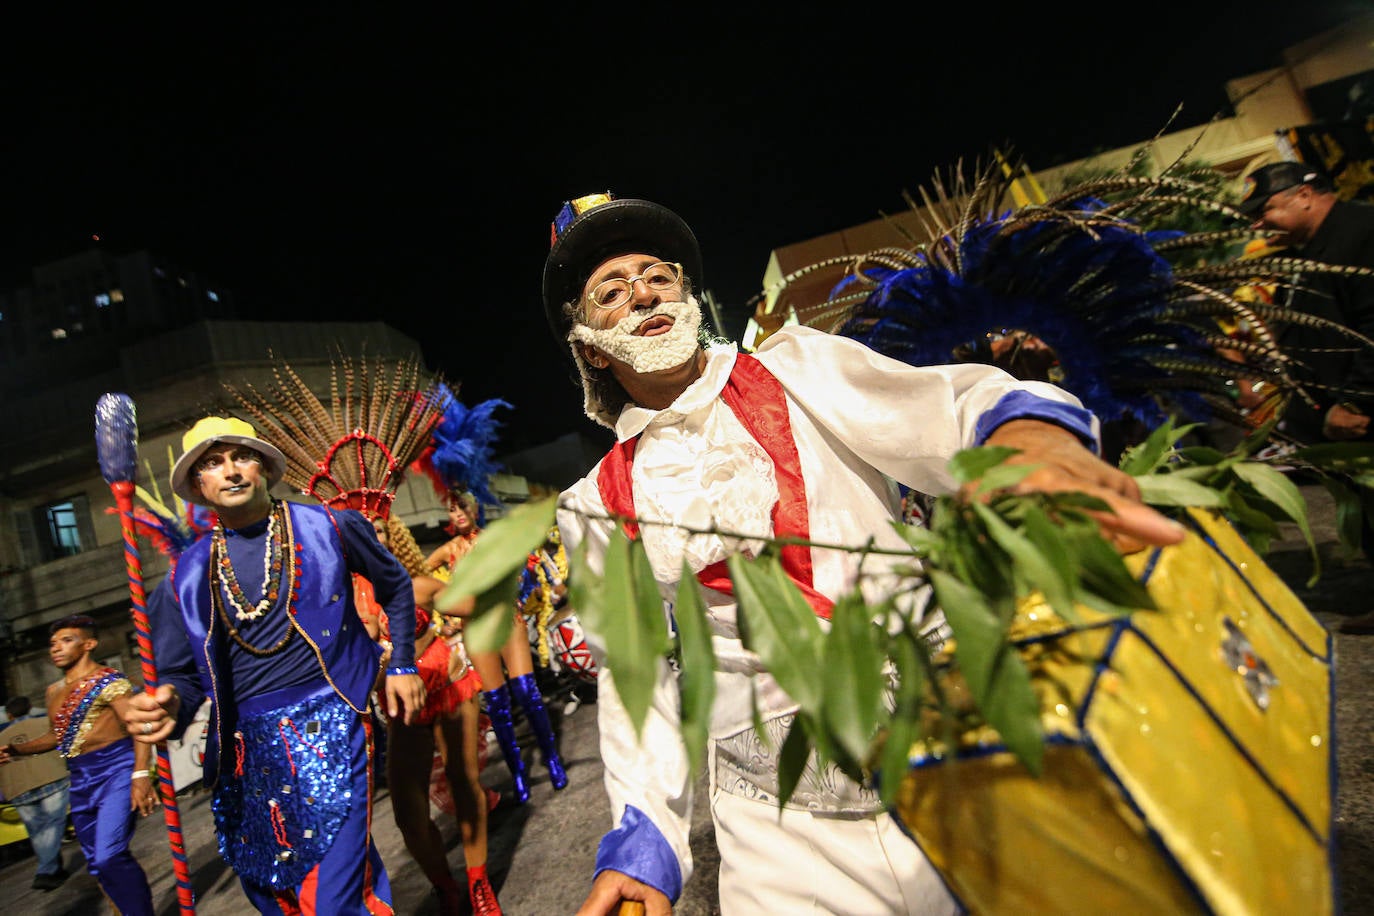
[648, 354]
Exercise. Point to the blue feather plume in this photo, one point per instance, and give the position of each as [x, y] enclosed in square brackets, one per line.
[461, 455]
[1097, 298]
[1124, 289]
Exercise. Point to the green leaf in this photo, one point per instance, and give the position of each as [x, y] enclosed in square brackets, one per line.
[1349, 516]
[852, 672]
[1004, 477]
[970, 464]
[1029, 562]
[1176, 490]
[1282, 492]
[796, 750]
[500, 552]
[584, 588]
[903, 725]
[776, 623]
[698, 680]
[1151, 454]
[919, 539]
[996, 676]
[977, 629]
[1278, 489]
[1204, 456]
[631, 622]
[489, 625]
[1257, 439]
[1107, 583]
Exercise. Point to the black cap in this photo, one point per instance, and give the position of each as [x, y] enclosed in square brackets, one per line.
[1265, 182]
[591, 229]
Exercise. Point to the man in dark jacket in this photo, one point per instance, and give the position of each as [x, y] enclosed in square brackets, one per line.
[1297, 202]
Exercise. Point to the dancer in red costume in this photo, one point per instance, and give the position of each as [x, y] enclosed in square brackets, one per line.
[458, 461]
[449, 719]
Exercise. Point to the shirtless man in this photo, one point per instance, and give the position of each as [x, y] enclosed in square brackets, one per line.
[109, 771]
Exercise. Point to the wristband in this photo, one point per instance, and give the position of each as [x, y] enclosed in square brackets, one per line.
[402, 669]
[140, 774]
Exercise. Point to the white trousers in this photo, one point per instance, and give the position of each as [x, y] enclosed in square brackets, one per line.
[796, 863]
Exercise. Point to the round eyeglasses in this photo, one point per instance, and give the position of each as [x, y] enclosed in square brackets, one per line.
[615, 292]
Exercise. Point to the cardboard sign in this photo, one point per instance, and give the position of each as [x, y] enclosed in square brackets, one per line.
[31, 771]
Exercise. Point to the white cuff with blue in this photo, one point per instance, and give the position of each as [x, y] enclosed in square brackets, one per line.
[1023, 405]
[637, 848]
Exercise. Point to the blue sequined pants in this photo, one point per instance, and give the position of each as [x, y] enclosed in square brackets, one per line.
[306, 761]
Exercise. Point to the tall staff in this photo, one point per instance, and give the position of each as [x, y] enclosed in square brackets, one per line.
[116, 443]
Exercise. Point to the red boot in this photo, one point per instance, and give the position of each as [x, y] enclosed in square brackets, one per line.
[481, 892]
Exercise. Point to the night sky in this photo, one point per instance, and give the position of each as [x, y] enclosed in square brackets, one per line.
[358, 162]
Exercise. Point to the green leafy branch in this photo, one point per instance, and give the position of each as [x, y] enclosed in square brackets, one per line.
[876, 681]
[1257, 494]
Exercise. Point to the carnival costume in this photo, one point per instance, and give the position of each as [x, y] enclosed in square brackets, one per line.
[546, 569]
[353, 455]
[459, 461]
[290, 745]
[704, 457]
[101, 782]
[445, 689]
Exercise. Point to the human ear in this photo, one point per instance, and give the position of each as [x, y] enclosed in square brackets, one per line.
[593, 357]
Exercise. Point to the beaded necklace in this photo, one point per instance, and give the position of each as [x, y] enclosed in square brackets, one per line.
[271, 567]
[221, 565]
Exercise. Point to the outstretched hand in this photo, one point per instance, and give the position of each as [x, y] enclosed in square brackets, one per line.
[1065, 464]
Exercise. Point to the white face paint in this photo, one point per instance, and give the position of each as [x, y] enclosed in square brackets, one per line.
[648, 354]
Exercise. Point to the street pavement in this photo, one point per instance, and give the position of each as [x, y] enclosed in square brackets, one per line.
[542, 854]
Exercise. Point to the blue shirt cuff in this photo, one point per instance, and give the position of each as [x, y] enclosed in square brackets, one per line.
[1022, 405]
[637, 848]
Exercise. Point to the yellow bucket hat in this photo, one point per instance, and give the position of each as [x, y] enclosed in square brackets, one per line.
[206, 433]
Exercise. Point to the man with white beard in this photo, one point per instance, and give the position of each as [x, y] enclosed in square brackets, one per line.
[805, 439]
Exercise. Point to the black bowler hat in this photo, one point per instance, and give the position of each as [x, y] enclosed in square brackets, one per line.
[1265, 182]
[591, 229]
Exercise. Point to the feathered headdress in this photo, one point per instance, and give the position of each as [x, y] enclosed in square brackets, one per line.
[353, 453]
[1133, 323]
[460, 455]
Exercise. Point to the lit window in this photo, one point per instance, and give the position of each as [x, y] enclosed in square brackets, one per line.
[181, 281]
[116, 295]
[102, 300]
[212, 295]
[59, 333]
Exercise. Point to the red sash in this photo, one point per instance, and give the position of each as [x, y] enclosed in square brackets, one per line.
[756, 398]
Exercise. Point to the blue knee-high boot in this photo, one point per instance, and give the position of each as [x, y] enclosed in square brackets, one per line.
[526, 690]
[498, 710]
